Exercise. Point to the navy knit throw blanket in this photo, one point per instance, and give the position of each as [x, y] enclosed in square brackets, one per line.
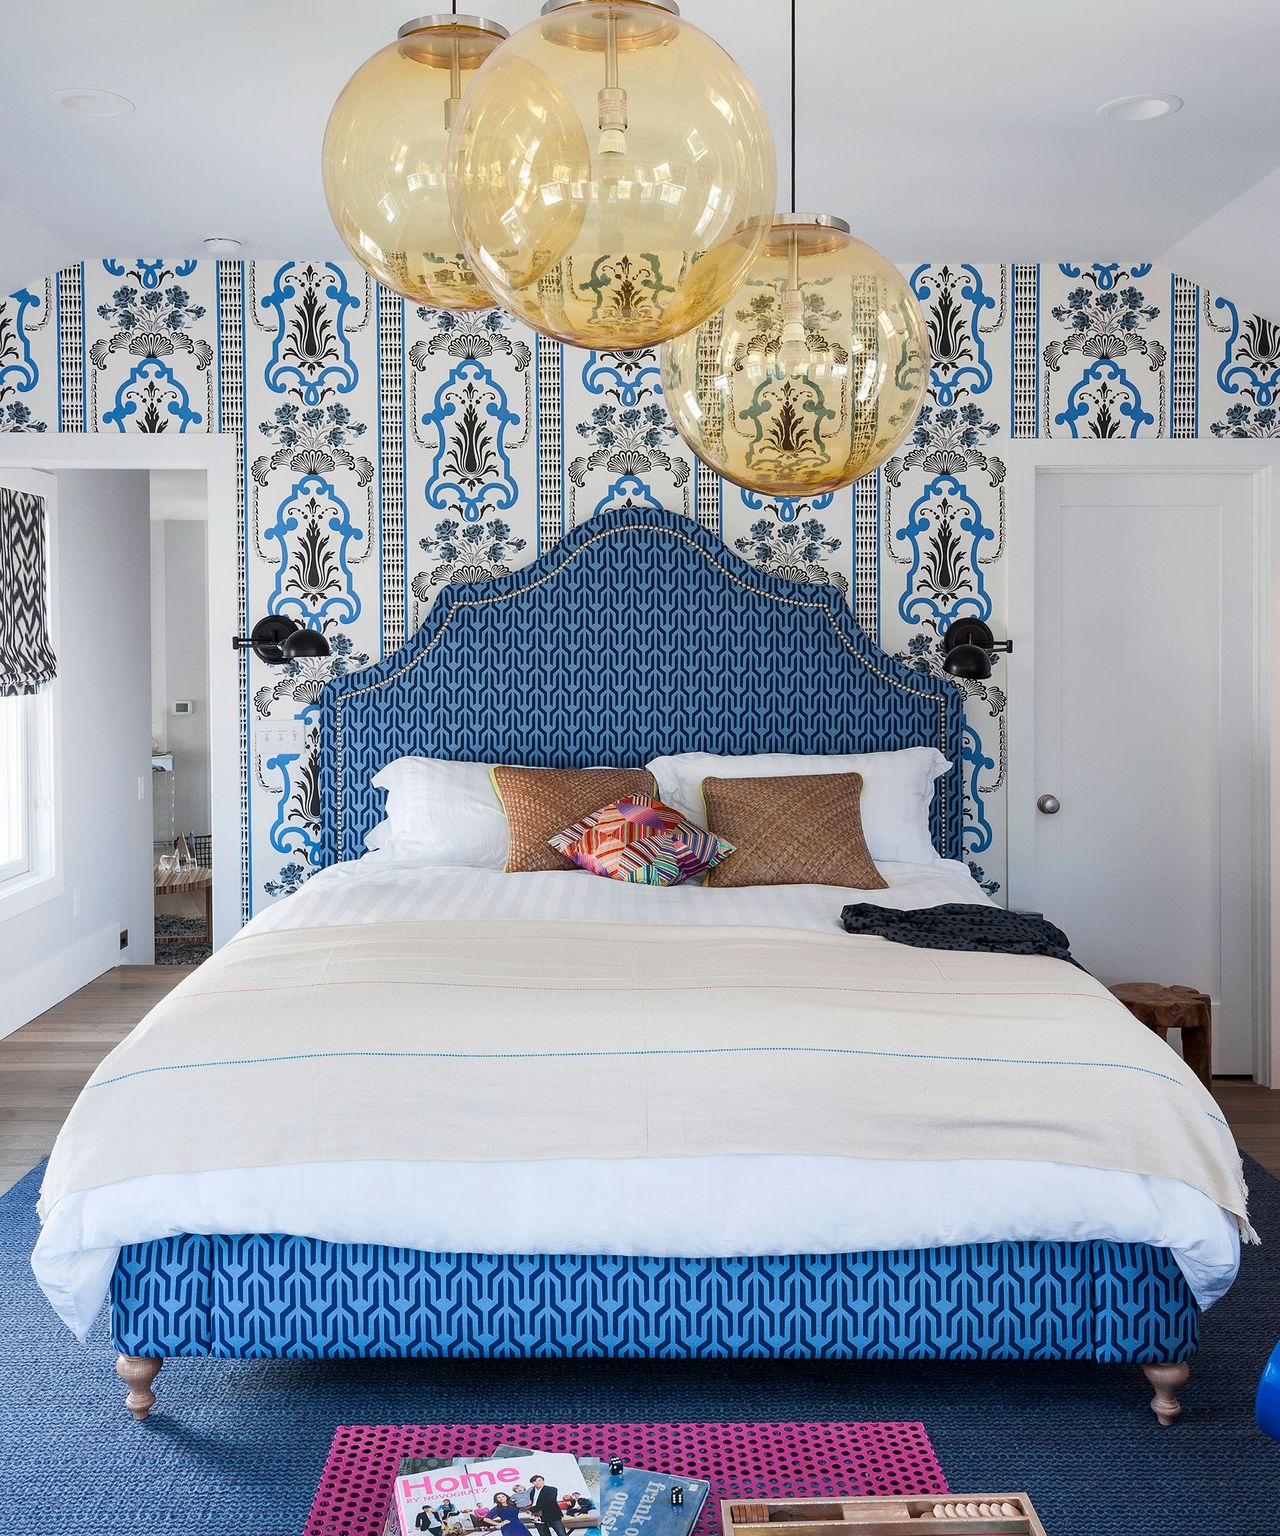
[961, 925]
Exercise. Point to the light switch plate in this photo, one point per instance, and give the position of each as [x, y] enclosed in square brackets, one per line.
[281, 738]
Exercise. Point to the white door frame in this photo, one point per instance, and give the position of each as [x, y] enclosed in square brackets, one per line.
[1026, 460]
[216, 454]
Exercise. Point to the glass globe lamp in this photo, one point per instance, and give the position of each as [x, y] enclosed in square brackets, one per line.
[611, 173]
[813, 371]
[384, 159]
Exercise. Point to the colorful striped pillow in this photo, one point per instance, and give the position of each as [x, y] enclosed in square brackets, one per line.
[641, 841]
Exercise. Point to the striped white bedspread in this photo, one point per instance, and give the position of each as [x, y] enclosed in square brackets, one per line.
[379, 889]
[697, 1205]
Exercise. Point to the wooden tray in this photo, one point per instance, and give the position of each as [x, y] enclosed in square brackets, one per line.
[941, 1513]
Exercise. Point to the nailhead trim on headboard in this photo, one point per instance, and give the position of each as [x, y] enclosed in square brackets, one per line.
[617, 604]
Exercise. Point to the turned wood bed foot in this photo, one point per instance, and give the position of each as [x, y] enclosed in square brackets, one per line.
[1167, 1380]
[138, 1372]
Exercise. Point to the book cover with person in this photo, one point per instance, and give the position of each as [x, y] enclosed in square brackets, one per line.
[580, 1505]
[496, 1496]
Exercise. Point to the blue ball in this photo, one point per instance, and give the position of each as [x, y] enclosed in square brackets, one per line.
[1267, 1406]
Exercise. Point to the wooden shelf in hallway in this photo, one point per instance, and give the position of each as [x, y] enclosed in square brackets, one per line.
[46, 1063]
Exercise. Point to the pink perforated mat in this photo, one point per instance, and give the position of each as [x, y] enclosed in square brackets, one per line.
[739, 1460]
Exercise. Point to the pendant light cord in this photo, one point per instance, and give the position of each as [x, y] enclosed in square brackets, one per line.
[793, 104]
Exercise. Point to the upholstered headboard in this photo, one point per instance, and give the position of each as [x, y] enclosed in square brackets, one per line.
[639, 634]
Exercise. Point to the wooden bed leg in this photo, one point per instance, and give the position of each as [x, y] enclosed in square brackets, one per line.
[1167, 1381]
[138, 1372]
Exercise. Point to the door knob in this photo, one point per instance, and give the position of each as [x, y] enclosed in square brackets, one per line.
[1048, 805]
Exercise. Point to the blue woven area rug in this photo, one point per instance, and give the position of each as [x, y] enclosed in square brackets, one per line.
[236, 1449]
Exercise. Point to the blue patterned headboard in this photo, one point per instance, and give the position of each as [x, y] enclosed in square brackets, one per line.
[639, 634]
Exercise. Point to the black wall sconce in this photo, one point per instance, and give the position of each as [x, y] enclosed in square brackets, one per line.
[969, 649]
[278, 639]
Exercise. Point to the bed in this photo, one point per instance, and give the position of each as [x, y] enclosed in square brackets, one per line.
[670, 1191]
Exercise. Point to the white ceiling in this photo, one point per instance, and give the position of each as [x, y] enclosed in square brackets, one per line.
[935, 128]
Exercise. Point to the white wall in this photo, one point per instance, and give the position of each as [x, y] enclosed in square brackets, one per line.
[179, 663]
[159, 670]
[26, 246]
[1234, 250]
[102, 570]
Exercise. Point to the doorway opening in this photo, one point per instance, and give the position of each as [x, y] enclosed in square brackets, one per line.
[218, 457]
[97, 909]
[1140, 595]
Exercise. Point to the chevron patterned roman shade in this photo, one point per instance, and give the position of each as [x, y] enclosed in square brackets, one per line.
[26, 657]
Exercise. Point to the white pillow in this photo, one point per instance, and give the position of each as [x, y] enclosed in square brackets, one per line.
[897, 790]
[441, 812]
[380, 836]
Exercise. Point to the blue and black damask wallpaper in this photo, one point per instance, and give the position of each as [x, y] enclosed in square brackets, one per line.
[388, 449]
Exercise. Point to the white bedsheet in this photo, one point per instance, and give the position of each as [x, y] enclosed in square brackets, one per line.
[715, 1206]
[381, 889]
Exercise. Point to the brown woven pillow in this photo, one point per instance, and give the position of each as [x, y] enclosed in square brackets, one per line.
[791, 831]
[540, 802]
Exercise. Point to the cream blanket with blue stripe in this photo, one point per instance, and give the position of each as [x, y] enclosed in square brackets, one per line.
[423, 1040]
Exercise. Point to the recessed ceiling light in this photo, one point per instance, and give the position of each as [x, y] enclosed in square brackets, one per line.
[222, 245]
[92, 103]
[1140, 109]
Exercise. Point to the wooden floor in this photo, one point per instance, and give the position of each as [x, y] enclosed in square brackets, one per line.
[45, 1064]
[1254, 1114]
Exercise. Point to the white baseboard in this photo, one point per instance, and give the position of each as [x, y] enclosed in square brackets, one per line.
[26, 996]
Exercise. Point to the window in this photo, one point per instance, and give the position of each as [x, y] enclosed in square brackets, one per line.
[26, 799]
[29, 699]
[15, 788]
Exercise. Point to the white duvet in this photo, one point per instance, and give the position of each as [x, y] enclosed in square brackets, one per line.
[712, 1206]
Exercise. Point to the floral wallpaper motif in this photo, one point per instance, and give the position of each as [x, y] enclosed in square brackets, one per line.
[389, 449]
[1249, 369]
[464, 552]
[615, 427]
[628, 440]
[22, 316]
[1107, 326]
[153, 318]
[794, 550]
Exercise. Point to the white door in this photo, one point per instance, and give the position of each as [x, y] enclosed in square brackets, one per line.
[1144, 666]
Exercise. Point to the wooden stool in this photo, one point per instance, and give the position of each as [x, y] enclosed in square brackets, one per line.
[1183, 1008]
[196, 877]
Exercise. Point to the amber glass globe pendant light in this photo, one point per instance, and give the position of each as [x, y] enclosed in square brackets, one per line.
[611, 173]
[385, 153]
[812, 372]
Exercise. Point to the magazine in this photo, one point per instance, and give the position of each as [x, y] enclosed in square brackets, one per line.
[409, 1466]
[495, 1496]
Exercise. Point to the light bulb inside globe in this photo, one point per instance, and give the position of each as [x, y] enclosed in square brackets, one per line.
[793, 355]
[454, 99]
[611, 104]
[813, 371]
[793, 352]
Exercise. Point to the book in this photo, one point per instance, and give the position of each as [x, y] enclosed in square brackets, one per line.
[468, 1495]
[638, 1503]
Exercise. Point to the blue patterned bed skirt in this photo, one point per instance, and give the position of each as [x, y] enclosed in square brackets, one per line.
[250, 1297]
